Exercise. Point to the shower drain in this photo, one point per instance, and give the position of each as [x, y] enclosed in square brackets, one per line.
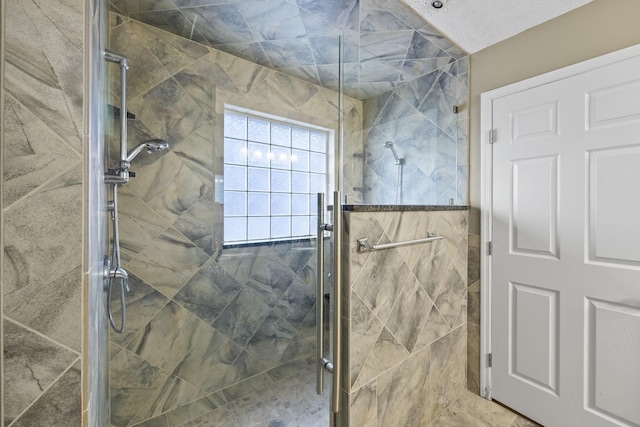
[277, 423]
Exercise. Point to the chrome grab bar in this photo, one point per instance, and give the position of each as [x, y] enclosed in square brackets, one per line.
[322, 363]
[363, 243]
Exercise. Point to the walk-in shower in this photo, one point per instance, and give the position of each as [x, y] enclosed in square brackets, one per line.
[219, 233]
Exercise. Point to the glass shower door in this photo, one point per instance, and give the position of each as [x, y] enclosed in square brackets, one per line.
[218, 234]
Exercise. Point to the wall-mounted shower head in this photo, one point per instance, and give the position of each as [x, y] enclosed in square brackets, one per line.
[152, 145]
[389, 144]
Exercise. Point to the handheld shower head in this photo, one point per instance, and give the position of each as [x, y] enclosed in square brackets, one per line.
[152, 146]
[389, 144]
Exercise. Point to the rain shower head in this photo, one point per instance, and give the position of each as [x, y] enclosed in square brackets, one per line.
[152, 145]
[389, 144]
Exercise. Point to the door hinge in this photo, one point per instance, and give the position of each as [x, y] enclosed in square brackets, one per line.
[490, 360]
[489, 248]
[492, 136]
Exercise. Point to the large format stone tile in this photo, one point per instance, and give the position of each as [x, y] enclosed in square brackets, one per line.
[31, 365]
[296, 303]
[473, 301]
[60, 405]
[173, 393]
[42, 277]
[452, 299]
[168, 263]
[43, 52]
[220, 23]
[403, 391]
[167, 338]
[485, 411]
[214, 364]
[138, 224]
[169, 187]
[363, 335]
[521, 421]
[172, 51]
[142, 303]
[133, 381]
[435, 328]
[448, 367]
[145, 71]
[380, 281]
[198, 223]
[363, 406]
[275, 20]
[169, 111]
[386, 353]
[208, 292]
[243, 316]
[33, 152]
[271, 341]
[473, 358]
[410, 313]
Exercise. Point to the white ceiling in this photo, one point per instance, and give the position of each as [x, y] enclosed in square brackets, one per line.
[476, 24]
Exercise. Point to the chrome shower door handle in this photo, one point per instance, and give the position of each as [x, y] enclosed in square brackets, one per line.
[319, 296]
[322, 363]
[337, 302]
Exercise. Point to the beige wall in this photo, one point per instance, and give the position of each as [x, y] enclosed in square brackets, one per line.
[598, 28]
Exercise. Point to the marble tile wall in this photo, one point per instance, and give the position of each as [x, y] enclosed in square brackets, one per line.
[407, 312]
[206, 325]
[473, 315]
[385, 42]
[406, 72]
[42, 206]
[432, 140]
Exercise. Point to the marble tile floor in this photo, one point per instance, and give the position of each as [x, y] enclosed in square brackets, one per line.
[470, 410]
[295, 402]
[292, 400]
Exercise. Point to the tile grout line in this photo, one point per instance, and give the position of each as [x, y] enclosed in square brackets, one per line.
[42, 335]
[54, 382]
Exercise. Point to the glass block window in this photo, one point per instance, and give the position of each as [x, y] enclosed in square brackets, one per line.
[272, 172]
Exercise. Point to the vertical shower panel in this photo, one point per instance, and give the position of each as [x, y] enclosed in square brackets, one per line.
[207, 323]
[426, 121]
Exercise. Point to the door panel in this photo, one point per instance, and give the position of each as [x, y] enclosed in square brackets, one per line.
[612, 367]
[534, 228]
[565, 270]
[614, 239]
[535, 122]
[533, 344]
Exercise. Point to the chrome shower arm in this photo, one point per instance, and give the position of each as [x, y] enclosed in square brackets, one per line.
[152, 145]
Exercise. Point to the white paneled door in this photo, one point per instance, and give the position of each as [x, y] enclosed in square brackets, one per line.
[565, 269]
